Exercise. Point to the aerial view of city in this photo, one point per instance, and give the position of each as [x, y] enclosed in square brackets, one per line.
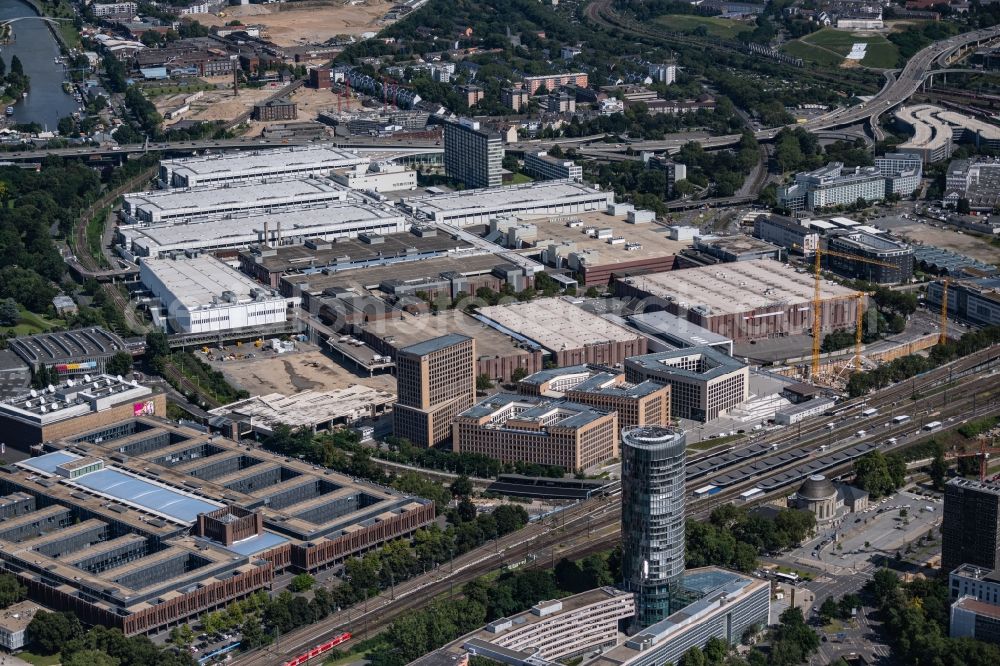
[500, 332]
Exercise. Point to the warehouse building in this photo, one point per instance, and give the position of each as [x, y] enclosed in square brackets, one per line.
[637, 405]
[745, 300]
[877, 247]
[218, 169]
[497, 355]
[517, 428]
[787, 232]
[70, 353]
[377, 177]
[141, 524]
[340, 219]
[199, 294]
[569, 334]
[74, 407]
[268, 264]
[800, 411]
[704, 382]
[468, 207]
[709, 250]
[182, 204]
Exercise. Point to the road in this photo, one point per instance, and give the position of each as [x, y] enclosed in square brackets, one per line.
[593, 524]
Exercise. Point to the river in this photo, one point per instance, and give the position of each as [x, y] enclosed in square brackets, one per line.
[34, 44]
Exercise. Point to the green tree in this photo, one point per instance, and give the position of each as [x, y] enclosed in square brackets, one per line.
[483, 383]
[182, 636]
[10, 314]
[939, 468]
[302, 582]
[11, 590]
[693, 657]
[90, 658]
[48, 632]
[518, 374]
[716, 650]
[16, 67]
[828, 610]
[119, 364]
[461, 487]
[157, 344]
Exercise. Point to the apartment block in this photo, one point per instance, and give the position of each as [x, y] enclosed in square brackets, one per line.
[515, 98]
[436, 381]
[553, 81]
[543, 166]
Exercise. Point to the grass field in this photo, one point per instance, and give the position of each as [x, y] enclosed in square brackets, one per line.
[716, 27]
[39, 660]
[830, 47]
[32, 323]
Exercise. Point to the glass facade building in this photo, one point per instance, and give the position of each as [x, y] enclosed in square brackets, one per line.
[653, 520]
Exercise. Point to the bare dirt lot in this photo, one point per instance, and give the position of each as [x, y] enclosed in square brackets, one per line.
[947, 239]
[313, 22]
[220, 104]
[305, 369]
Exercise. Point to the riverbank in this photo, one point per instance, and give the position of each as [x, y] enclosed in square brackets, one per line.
[65, 32]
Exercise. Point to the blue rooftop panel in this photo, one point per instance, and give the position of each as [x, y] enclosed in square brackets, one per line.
[145, 495]
[257, 544]
[48, 463]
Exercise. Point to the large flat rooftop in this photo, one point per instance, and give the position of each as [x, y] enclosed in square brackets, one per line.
[642, 241]
[737, 287]
[264, 161]
[339, 218]
[407, 330]
[200, 200]
[498, 198]
[353, 252]
[554, 323]
[203, 281]
[307, 408]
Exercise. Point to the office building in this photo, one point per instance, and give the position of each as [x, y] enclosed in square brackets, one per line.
[832, 185]
[568, 334]
[704, 382]
[549, 631]
[436, 381]
[377, 177]
[468, 207]
[774, 299]
[977, 180]
[14, 621]
[969, 532]
[979, 583]
[899, 162]
[932, 140]
[710, 250]
[876, 247]
[971, 618]
[198, 294]
[787, 232]
[653, 495]
[247, 198]
[69, 353]
[976, 301]
[543, 166]
[554, 432]
[218, 169]
[348, 218]
[552, 82]
[472, 155]
[643, 404]
[142, 524]
[275, 109]
[73, 407]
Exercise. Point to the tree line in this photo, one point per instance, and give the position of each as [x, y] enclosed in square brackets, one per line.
[733, 537]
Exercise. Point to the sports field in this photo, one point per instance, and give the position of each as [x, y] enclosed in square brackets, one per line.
[714, 26]
[830, 47]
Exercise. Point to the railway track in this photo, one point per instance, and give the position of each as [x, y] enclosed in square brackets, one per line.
[593, 524]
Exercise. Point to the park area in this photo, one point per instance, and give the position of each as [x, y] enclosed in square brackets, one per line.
[713, 25]
[831, 47]
[308, 22]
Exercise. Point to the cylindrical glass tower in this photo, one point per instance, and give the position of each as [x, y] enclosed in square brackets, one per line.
[652, 518]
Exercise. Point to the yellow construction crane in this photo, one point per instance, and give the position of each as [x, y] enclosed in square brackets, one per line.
[943, 338]
[818, 307]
